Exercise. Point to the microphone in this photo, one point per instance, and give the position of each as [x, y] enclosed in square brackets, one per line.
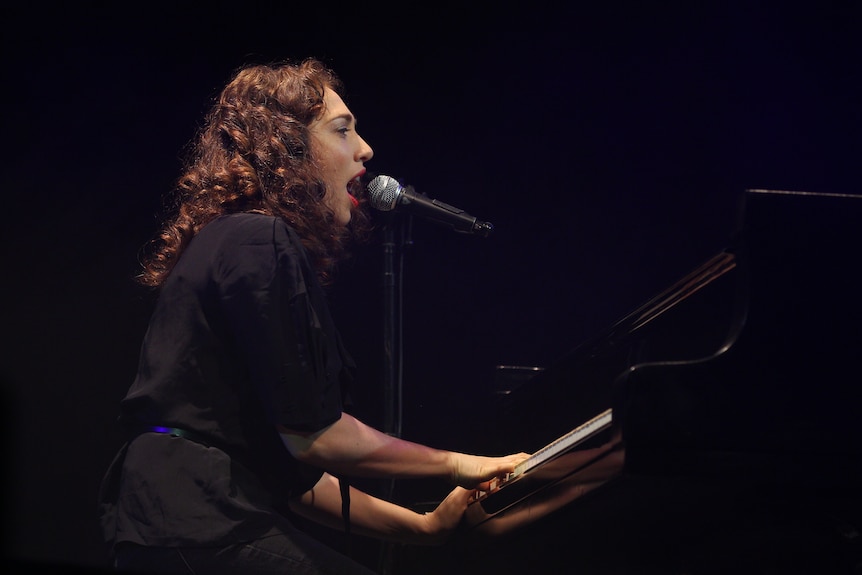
[387, 194]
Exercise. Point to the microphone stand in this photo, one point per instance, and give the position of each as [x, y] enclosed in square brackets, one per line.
[391, 334]
[396, 238]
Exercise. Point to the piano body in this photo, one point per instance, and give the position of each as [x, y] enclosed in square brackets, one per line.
[717, 428]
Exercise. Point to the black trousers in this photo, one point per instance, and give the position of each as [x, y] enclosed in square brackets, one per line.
[282, 554]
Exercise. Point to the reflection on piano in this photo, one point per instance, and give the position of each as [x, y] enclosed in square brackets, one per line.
[717, 428]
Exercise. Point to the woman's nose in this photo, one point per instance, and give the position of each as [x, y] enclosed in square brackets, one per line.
[365, 151]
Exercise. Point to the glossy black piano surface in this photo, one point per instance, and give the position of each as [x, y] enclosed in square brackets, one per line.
[737, 407]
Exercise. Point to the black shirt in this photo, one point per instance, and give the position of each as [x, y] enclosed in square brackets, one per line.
[241, 339]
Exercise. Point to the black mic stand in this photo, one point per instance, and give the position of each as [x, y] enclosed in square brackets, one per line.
[391, 333]
[396, 239]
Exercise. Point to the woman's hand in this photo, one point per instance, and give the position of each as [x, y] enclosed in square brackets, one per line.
[442, 522]
[476, 471]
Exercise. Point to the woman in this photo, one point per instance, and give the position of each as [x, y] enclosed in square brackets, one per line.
[235, 416]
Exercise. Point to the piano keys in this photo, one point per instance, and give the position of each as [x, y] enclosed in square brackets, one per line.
[563, 462]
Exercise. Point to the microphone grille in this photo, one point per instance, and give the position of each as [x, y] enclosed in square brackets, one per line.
[383, 192]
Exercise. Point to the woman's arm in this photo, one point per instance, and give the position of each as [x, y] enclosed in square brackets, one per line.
[350, 447]
[373, 517]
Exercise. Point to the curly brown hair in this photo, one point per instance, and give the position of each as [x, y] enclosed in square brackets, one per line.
[253, 154]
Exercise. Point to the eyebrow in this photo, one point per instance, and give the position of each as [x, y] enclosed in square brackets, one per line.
[345, 116]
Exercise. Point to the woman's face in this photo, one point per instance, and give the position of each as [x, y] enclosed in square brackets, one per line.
[341, 153]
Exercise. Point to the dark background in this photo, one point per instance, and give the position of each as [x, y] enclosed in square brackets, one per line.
[609, 147]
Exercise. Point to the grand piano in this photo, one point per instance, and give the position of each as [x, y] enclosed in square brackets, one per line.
[715, 429]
